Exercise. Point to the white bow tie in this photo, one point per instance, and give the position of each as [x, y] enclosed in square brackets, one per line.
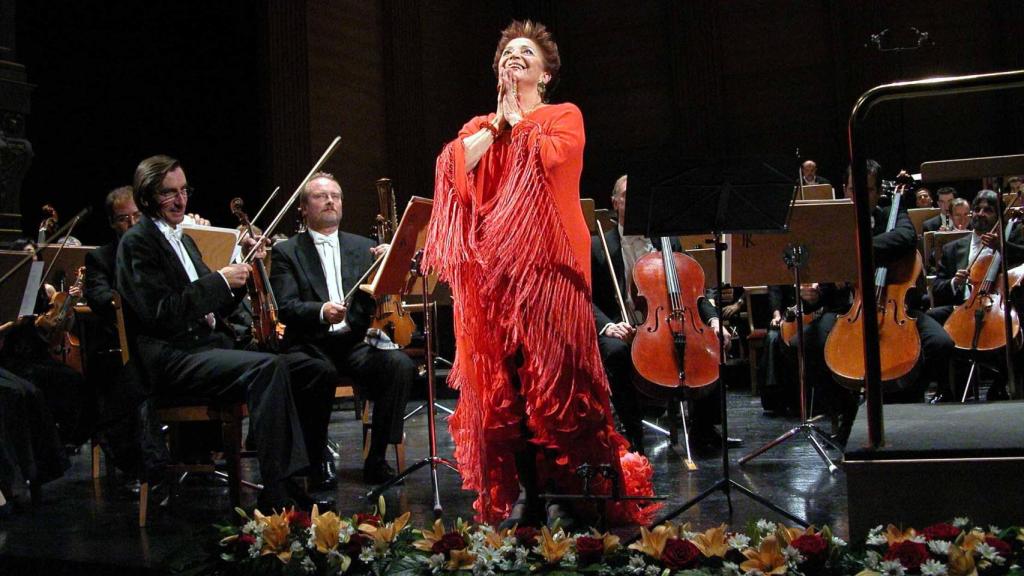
[320, 240]
[174, 234]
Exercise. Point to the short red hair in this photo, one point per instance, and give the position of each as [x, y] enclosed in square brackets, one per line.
[541, 37]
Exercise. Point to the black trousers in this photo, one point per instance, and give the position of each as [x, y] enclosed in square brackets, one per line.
[628, 402]
[261, 380]
[384, 376]
[618, 366]
[29, 442]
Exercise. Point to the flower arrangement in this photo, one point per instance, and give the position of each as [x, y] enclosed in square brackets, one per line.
[291, 542]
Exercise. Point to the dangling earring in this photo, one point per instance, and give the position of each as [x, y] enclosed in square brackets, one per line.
[542, 86]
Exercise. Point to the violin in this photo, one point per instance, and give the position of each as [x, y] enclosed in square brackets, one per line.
[267, 330]
[389, 317]
[899, 341]
[54, 326]
[979, 323]
[673, 348]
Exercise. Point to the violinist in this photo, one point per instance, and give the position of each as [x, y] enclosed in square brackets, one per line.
[616, 333]
[950, 287]
[175, 307]
[311, 273]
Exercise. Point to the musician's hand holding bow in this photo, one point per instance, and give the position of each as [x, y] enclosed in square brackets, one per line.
[622, 330]
[236, 274]
[333, 313]
[776, 319]
[248, 242]
[379, 250]
[990, 240]
[723, 333]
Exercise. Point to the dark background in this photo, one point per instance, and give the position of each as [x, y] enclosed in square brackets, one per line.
[248, 93]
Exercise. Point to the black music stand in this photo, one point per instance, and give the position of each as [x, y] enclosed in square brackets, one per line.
[400, 272]
[678, 196]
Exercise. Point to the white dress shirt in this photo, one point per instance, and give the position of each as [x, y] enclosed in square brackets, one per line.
[173, 236]
[328, 247]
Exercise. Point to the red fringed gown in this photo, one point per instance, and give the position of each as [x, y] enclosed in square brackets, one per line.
[510, 240]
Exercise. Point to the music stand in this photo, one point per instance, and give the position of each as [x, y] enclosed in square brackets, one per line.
[397, 276]
[677, 196]
[818, 229]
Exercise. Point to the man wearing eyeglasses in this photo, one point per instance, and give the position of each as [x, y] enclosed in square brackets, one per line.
[176, 306]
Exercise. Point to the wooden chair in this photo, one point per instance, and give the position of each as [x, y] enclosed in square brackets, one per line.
[230, 417]
[363, 409]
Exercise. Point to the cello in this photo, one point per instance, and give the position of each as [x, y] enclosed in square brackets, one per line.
[978, 325]
[669, 285]
[267, 330]
[899, 341]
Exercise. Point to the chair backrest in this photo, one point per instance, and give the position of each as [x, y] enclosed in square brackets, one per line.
[919, 215]
[122, 334]
[933, 243]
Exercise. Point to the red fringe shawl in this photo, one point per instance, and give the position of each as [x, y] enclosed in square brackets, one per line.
[516, 285]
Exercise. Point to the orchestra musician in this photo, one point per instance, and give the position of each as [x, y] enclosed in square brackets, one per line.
[950, 287]
[809, 174]
[616, 333]
[944, 220]
[175, 307]
[311, 272]
[937, 346]
[508, 235]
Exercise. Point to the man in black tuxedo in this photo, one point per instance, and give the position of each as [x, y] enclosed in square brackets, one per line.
[887, 246]
[950, 287]
[944, 221]
[176, 306]
[311, 272]
[615, 333]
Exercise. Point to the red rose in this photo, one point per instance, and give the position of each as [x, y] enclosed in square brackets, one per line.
[371, 519]
[299, 518]
[448, 542]
[1001, 546]
[355, 544]
[813, 548]
[680, 554]
[909, 553]
[589, 550]
[246, 540]
[526, 536]
[941, 531]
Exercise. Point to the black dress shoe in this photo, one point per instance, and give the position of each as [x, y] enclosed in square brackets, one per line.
[304, 501]
[325, 477]
[377, 472]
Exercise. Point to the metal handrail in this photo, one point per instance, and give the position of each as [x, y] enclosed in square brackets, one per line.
[897, 91]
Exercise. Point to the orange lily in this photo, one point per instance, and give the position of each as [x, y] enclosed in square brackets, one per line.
[713, 542]
[767, 559]
[552, 550]
[275, 535]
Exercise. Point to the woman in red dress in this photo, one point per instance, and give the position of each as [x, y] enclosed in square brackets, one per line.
[508, 235]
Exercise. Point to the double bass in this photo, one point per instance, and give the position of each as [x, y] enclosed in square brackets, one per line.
[899, 341]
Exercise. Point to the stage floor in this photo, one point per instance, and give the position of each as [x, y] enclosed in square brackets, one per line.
[86, 527]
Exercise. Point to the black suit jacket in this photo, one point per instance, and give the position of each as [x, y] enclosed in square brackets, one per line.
[896, 243]
[932, 224]
[100, 277]
[162, 305]
[954, 257]
[606, 309]
[297, 276]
